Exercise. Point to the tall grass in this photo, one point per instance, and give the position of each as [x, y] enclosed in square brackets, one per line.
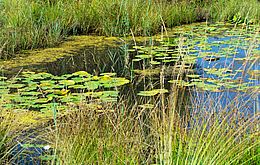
[133, 135]
[214, 134]
[7, 136]
[27, 24]
[100, 138]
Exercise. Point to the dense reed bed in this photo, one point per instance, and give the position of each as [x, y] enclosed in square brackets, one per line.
[28, 24]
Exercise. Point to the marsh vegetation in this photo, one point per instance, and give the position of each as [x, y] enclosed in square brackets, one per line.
[152, 94]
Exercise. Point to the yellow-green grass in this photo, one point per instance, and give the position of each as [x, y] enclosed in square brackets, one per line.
[37, 24]
[210, 134]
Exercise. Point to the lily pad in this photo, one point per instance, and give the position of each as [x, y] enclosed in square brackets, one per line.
[152, 92]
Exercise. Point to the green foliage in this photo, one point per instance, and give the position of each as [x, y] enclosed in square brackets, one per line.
[177, 56]
[128, 135]
[6, 139]
[38, 91]
[211, 139]
[39, 24]
[152, 92]
[95, 140]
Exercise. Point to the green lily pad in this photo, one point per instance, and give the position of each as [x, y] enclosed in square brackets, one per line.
[114, 82]
[92, 85]
[67, 82]
[17, 86]
[81, 74]
[152, 92]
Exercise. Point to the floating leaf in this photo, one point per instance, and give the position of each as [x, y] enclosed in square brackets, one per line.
[17, 86]
[92, 85]
[115, 82]
[94, 94]
[43, 100]
[61, 92]
[82, 74]
[155, 62]
[67, 82]
[32, 93]
[152, 92]
[77, 86]
[80, 79]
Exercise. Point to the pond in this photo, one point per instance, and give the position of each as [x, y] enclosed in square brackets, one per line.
[216, 61]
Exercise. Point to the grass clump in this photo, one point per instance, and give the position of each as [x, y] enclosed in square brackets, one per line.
[135, 135]
[211, 136]
[45, 23]
[7, 136]
[102, 138]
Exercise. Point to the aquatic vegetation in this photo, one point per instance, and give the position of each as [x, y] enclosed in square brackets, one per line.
[42, 91]
[152, 92]
[72, 46]
[208, 61]
[192, 99]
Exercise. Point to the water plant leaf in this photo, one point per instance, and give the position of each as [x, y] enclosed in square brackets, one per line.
[42, 100]
[67, 82]
[17, 86]
[92, 85]
[155, 62]
[113, 82]
[81, 74]
[136, 59]
[152, 92]
[144, 56]
[77, 86]
[2, 78]
[61, 92]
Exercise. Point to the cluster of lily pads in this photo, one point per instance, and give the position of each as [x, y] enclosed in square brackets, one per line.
[44, 91]
[222, 57]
